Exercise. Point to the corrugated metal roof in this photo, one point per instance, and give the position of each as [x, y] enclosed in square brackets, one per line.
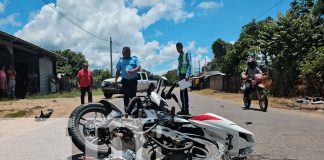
[214, 73]
[20, 42]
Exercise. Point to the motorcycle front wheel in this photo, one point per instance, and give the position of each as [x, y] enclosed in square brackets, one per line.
[82, 128]
[263, 102]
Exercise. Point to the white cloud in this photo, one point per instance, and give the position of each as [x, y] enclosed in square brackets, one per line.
[3, 5]
[210, 5]
[202, 50]
[118, 19]
[158, 33]
[10, 20]
[166, 9]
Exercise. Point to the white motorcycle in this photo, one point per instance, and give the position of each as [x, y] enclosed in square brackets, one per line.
[237, 141]
[160, 133]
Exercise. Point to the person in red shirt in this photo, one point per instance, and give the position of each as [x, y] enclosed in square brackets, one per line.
[85, 82]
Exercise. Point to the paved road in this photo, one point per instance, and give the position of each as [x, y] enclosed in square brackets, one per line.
[280, 134]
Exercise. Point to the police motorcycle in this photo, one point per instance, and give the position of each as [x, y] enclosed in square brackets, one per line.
[157, 132]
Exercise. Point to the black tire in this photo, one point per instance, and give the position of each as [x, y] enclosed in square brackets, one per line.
[202, 149]
[263, 102]
[75, 133]
[108, 95]
[247, 103]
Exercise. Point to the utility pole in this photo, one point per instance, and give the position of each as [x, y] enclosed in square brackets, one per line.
[111, 68]
[199, 67]
[205, 65]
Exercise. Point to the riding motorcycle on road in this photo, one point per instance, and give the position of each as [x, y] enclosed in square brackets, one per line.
[149, 130]
[257, 91]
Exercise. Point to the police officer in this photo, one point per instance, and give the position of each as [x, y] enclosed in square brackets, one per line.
[127, 68]
[184, 70]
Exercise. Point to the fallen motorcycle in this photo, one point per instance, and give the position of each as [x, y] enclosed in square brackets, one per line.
[237, 141]
[152, 131]
[99, 130]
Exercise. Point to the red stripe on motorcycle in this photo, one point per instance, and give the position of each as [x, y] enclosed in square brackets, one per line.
[204, 117]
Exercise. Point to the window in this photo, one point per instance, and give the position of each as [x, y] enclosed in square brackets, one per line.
[144, 76]
[138, 76]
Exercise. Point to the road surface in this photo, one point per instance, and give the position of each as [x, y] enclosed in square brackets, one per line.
[280, 134]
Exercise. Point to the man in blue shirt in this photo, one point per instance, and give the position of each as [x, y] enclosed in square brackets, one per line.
[184, 70]
[127, 68]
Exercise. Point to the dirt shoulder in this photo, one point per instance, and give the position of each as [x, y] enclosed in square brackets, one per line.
[29, 108]
[281, 103]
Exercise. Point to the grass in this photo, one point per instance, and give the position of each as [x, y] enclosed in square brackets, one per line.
[5, 101]
[21, 113]
[74, 93]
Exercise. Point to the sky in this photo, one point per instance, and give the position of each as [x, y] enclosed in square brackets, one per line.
[151, 28]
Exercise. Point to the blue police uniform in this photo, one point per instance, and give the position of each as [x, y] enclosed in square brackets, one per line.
[129, 82]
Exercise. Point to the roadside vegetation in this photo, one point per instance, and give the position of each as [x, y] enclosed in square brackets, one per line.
[73, 93]
[18, 113]
[274, 102]
[290, 49]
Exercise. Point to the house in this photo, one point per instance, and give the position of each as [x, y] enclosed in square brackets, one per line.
[27, 57]
[215, 80]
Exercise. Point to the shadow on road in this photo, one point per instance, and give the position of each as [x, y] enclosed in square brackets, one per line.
[252, 109]
[76, 157]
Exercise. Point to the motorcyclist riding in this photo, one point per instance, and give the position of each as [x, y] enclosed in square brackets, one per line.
[249, 74]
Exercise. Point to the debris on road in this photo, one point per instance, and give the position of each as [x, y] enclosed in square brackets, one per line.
[307, 100]
[43, 117]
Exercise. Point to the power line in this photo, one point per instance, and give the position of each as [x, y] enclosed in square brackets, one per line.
[260, 15]
[73, 22]
[77, 22]
[276, 4]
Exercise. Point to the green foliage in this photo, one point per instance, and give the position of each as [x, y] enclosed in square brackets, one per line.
[100, 74]
[290, 49]
[312, 70]
[74, 63]
[172, 75]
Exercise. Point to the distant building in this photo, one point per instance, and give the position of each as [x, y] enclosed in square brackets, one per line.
[215, 80]
[27, 57]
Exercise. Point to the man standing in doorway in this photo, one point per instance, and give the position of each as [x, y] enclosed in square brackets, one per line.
[12, 81]
[184, 70]
[127, 68]
[85, 82]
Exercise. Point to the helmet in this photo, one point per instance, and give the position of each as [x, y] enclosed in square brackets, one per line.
[252, 62]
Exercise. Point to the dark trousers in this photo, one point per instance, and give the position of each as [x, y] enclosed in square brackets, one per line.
[129, 89]
[83, 91]
[247, 89]
[184, 97]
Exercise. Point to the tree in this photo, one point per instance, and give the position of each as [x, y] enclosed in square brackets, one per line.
[74, 63]
[172, 75]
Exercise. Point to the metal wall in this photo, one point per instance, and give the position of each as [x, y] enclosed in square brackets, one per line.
[45, 71]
